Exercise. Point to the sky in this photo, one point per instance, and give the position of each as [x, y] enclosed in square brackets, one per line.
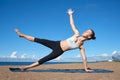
[48, 19]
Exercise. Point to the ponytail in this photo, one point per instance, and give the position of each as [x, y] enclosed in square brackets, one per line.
[93, 35]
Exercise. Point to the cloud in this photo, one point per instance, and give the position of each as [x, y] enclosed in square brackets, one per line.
[58, 58]
[104, 55]
[114, 52]
[33, 57]
[14, 54]
[23, 56]
[78, 56]
[116, 56]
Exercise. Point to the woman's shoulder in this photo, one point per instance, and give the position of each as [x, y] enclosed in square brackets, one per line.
[77, 35]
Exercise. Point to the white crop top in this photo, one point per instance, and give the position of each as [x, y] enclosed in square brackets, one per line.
[71, 42]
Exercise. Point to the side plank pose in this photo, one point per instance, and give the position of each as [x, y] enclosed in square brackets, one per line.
[59, 47]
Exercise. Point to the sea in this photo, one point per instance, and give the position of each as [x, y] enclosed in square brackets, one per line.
[28, 63]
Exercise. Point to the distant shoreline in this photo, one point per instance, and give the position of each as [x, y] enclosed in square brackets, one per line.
[28, 63]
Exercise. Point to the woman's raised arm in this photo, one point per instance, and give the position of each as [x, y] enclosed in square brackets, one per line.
[70, 12]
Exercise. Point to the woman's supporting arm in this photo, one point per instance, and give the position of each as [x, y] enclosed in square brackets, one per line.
[84, 59]
[83, 56]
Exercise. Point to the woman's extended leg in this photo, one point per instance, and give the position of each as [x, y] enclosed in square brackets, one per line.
[30, 66]
[51, 56]
[57, 51]
[54, 45]
[30, 38]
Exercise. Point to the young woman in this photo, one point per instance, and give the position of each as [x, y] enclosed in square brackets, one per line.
[58, 47]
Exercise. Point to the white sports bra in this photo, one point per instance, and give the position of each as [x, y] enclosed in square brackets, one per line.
[71, 42]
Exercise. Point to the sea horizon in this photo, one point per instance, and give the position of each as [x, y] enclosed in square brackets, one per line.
[28, 63]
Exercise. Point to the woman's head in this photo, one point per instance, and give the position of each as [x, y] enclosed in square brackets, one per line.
[89, 34]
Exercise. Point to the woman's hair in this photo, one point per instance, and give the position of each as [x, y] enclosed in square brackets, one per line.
[93, 35]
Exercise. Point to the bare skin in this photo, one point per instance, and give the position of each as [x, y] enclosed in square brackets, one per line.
[64, 45]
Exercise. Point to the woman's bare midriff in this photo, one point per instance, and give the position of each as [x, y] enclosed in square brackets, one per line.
[64, 45]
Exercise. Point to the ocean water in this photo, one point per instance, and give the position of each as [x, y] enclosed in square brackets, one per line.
[28, 63]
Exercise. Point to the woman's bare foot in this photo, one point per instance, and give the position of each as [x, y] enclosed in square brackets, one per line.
[19, 33]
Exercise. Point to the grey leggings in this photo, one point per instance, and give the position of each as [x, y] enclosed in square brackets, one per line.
[54, 45]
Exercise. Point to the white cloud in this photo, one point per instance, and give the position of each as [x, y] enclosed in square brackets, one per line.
[58, 58]
[33, 57]
[78, 56]
[23, 56]
[114, 52]
[14, 54]
[104, 55]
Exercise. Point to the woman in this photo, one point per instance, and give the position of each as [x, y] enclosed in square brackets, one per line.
[58, 47]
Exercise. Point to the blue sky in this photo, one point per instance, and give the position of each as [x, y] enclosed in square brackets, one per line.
[49, 19]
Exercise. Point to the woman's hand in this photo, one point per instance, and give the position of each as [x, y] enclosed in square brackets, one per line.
[89, 70]
[70, 11]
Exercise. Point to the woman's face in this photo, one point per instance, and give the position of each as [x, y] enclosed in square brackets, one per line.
[87, 34]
